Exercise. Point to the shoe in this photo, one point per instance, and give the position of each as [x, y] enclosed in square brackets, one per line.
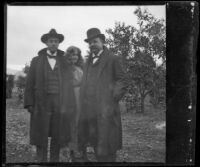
[80, 158]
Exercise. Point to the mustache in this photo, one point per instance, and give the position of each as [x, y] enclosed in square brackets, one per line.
[93, 47]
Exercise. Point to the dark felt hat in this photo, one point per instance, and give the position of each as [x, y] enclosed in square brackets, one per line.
[52, 33]
[94, 33]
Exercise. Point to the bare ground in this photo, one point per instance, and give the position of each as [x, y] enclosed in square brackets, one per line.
[143, 136]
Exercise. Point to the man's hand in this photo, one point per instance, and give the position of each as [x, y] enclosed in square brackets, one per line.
[118, 91]
[30, 109]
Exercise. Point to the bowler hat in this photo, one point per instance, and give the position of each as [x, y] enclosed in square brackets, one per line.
[52, 33]
[93, 33]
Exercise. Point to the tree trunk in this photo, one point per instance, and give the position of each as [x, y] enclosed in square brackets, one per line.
[142, 104]
[155, 104]
[141, 110]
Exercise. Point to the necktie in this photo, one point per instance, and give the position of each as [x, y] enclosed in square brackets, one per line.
[51, 57]
[95, 59]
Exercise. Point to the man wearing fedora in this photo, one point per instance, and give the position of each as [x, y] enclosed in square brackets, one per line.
[49, 98]
[102, 88]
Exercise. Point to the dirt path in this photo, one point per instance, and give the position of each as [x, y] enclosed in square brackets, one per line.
[143, 136]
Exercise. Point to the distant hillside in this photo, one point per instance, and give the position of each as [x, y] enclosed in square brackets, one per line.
[17, 73]
[11, 71]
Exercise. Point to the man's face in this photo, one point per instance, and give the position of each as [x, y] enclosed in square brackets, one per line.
[95, 45]
[52, 44]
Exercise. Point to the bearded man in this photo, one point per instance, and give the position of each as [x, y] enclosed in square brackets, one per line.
[102, 88]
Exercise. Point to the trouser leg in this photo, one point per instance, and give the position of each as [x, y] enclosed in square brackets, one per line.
[73, 134]
[53, 108]
[54, 151]
[101, 156]
[107, 158]
[41, 153]
[112, 157]
[84, 154]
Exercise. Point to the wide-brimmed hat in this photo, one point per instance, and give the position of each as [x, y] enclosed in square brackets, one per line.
[94, 33]
[52, 33]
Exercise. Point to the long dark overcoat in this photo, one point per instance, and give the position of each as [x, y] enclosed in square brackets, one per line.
[35, 95]
[110, 88]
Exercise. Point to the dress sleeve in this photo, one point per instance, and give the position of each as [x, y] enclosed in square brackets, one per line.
[78, 75]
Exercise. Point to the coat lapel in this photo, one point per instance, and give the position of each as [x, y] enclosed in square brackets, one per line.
[103, 62]
[60, 70]
[102, 65]
[40, 68]
[44, 67]
[85, 70]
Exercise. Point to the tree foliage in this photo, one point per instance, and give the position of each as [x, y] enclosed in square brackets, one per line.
[21, 82]
[151, 34]
[120, 39]
[26, 69]
[9, 85]
[140, 47]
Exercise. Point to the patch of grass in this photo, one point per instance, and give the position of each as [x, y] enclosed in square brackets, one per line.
[17, 130]
[142, 141]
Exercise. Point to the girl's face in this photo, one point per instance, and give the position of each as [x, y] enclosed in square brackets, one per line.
[73, 57]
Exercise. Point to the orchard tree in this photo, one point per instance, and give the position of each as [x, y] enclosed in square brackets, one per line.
[158, 93]
[140, 47]
[150, 39]
[120, 39]
[141, 71]
[151, 34]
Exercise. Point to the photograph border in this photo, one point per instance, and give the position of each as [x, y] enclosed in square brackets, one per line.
[181, 85]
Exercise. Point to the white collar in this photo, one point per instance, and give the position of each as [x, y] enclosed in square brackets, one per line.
[55, 53]
[98, 54]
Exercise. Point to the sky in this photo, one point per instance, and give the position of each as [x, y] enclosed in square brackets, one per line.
[26, 25]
